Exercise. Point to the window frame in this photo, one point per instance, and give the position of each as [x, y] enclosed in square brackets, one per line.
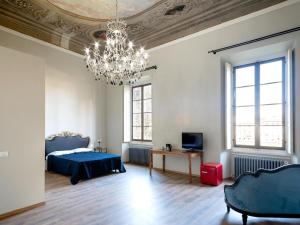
[257, 104]
[142, 112]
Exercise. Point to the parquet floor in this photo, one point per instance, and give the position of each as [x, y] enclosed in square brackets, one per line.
[134, 198]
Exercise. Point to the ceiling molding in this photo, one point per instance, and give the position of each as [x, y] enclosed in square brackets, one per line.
[40, 42]
[223, 25]
[150, 28]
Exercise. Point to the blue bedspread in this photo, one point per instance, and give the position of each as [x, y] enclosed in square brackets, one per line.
[85, 165]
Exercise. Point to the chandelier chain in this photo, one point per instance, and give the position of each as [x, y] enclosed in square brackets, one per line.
[117, 17]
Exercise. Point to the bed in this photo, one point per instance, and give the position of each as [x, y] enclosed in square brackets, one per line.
[68, 154]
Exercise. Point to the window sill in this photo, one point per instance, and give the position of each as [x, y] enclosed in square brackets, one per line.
[262, 152]
[141, 143]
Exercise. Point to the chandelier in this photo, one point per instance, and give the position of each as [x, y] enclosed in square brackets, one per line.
[119, 63]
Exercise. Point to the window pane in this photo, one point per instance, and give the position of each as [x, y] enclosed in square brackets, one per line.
[271, 115]
[271, 72]
[137, 93]
[147, 105]
[142, 113]
[148, 133]
[137, 106]
[245, 96]
[147, 119]
[137, 133]
[271, 136]
[271, 93]
[137, 120]
[245, 135]
[245, 115]
[147, 91]
[245, 76]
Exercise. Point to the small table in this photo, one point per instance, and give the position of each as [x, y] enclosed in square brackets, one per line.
[100, 149]
[177, 153]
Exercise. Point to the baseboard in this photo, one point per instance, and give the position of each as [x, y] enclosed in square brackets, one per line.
[177, 172]
[19, 211]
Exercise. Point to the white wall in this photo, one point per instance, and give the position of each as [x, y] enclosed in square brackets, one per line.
[187, 87]
[42, 92]
[186, 97]
[22, 100]
[297, 100]
[74, 101]
[114, 119]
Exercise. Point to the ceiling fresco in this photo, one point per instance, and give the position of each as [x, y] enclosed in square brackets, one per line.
[104, 9]
[74, 24]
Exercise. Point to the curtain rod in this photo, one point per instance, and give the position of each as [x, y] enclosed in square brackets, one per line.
[255, 40]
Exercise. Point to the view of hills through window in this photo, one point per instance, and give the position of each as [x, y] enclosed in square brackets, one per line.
[259, 104]
[142, 113]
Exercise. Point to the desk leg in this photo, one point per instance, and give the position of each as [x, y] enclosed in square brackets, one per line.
[150, 163]
[201, 157]
[190, 169]
[164, 163]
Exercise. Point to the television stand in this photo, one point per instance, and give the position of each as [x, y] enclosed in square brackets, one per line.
[175, 153]
[190, 150]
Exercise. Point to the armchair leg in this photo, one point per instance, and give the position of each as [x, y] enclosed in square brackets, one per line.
[245, 217]
[228, 209]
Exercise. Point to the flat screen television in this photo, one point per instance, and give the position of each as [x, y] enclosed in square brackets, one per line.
[192, 141]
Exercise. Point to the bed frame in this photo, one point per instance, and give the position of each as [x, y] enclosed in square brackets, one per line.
[65, 141]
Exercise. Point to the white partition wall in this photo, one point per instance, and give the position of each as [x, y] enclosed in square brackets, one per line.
[22, 119]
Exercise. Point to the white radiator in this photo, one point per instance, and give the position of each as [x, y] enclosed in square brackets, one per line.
[139, 155]
[249, 163]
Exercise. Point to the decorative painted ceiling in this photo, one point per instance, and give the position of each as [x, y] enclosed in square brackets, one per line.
[104, 9]
[74, 24]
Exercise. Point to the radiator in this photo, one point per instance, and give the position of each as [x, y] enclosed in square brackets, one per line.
[248, 163]
[139, 155]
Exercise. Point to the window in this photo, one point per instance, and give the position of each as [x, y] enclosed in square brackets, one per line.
[259, 104]
[142, 113]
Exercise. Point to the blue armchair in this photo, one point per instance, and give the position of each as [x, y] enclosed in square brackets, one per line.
[266, 193]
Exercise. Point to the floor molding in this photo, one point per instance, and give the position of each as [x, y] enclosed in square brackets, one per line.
[19, 211]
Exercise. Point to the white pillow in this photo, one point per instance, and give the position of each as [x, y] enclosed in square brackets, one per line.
[66, 152]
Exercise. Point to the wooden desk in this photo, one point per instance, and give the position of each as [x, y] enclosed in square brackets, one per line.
[175, 153]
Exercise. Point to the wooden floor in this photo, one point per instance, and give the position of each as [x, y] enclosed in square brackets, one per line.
[134, 198]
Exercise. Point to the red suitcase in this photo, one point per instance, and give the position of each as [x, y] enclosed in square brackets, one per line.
[211, 173]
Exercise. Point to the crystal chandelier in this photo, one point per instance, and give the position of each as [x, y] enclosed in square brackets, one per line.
[119, 62]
